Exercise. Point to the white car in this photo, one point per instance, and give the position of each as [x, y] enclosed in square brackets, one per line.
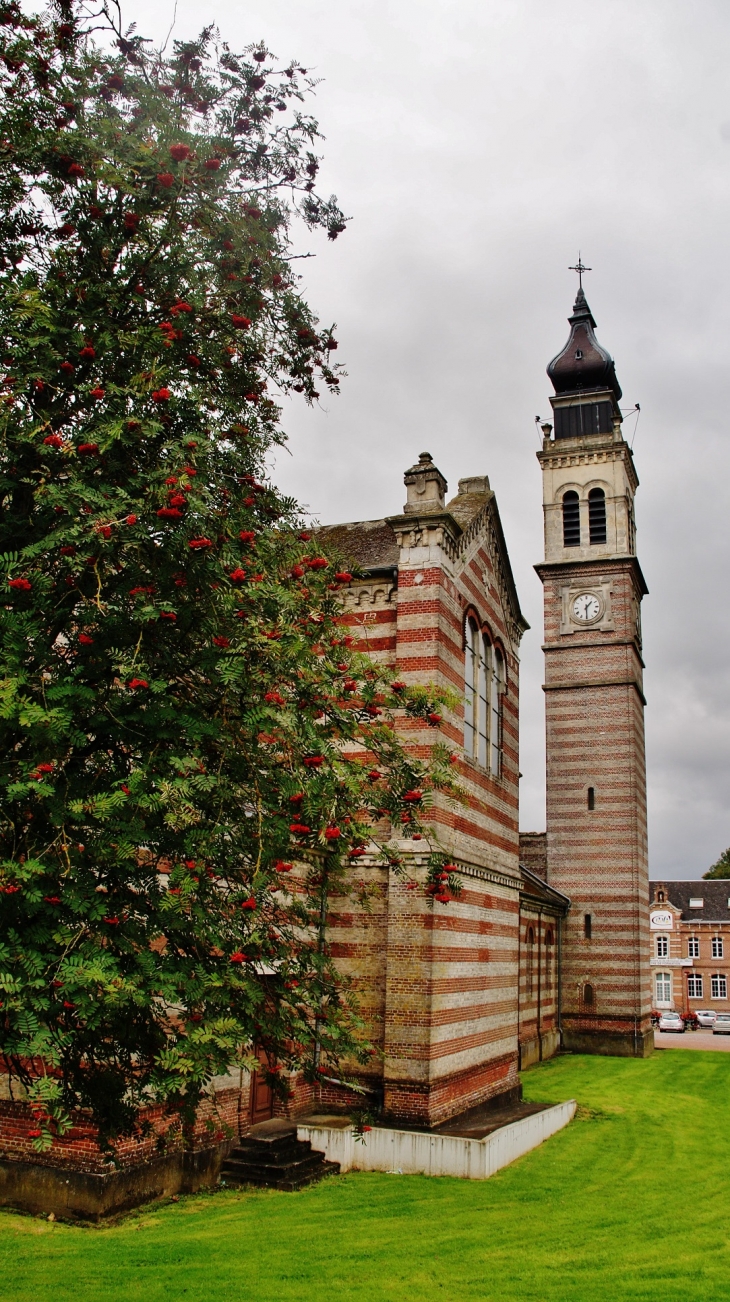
[671, 1022]
[706, 1016]
[722, 1024]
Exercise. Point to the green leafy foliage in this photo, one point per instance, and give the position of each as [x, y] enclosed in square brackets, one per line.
[721, 868]
[182, 717]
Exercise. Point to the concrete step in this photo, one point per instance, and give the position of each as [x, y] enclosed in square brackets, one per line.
[285, 1151]
[273, 1157]
[286, 1183]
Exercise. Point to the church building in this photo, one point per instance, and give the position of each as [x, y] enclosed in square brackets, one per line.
[546, 946]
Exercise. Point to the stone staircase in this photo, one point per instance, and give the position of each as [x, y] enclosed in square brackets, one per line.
[273, 1157]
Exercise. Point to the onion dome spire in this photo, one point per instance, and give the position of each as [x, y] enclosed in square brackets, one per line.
[583, 365]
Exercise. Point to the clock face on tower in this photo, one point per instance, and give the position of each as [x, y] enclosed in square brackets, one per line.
[585, 607]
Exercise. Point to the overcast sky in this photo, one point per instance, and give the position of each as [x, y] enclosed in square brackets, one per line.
[478, 146]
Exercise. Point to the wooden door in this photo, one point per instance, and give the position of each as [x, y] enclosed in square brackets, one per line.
[262, 1095]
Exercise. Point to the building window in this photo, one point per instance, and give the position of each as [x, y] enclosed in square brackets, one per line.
[694, 986]
[662, 947]
[663, 986]
[693, 947]
[483, 693]
[471, 660]
[591, 797]
[587, 926]
[589, 995]
[717, 947]
[548, 961]
[495, 722]
[483, 683]
[597, 516]
[571, 519]
[530, 961]
[660, 896]
[718, 982]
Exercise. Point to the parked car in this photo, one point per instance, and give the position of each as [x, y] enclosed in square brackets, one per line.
[672, 1022]
[722, 1024]
[706, 1016]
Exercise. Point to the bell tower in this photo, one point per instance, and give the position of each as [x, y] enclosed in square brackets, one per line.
[594, 701]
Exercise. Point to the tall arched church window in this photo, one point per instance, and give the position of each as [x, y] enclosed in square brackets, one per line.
[597, 516]
[495, 721]
[471, 697]
[483, 692]
[483, 685]
[571, 519]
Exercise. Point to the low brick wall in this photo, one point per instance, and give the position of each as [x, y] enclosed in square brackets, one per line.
[76, 1179]
[72, 1194]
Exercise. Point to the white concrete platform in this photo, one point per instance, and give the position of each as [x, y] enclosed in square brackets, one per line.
[413, 1152]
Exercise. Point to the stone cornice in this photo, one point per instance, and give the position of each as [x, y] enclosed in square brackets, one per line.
[464, 869]
[548, 569]
[593, 449]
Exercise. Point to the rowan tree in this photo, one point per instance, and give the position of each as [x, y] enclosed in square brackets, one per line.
[181, 715]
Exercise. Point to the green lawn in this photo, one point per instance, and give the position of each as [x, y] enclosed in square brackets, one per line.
[630, 1201]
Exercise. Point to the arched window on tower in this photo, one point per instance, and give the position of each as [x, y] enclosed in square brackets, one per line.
[571, 519]
[597, 516]
[471, 698]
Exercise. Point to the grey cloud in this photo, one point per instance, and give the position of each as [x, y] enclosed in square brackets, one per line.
[478, 147]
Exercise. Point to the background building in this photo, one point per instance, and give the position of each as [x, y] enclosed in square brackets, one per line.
[689, 937]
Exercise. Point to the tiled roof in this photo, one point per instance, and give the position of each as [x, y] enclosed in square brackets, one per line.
[715, 896]
[466, 505]
[369, 543]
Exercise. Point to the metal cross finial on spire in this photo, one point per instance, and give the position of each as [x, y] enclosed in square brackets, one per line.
[580, 269]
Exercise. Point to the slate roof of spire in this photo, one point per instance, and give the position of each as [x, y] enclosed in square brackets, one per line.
[583, 364]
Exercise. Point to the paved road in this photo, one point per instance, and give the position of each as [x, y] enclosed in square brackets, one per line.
[691, 1040]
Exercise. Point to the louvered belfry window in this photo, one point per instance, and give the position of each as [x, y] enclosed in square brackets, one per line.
[597, 516]
[571, 519]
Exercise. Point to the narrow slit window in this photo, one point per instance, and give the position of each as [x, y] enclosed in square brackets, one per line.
[589, 995]
[571, 519]
[597, 516]
[591, 797]
[587, 926]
